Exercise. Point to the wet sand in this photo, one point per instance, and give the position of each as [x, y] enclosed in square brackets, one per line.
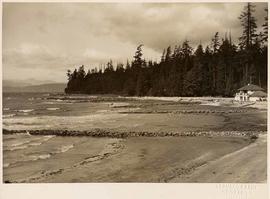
[140, 159]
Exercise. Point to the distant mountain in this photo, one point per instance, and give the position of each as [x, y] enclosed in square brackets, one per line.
[12, 83]
[43, 88]
[26, 82]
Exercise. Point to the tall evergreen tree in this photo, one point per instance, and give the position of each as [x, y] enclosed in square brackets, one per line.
[265, 27]
[249, 25]
[214, 64]
[215, 43]
[248, 38]
[138, 57]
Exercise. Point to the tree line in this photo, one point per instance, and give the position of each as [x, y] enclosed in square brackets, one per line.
[219, 69]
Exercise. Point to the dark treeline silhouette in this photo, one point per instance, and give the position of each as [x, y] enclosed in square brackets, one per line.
[219, 69]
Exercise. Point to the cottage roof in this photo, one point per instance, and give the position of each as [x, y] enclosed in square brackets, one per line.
[259, 94]
[251, 87]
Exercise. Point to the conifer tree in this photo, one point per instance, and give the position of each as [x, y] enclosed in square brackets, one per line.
[248, 38]
[265, 27]
[249, 25]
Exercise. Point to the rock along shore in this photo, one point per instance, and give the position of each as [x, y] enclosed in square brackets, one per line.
[125, 134]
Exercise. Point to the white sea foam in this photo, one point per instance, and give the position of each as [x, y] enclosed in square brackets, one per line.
[5, 165]
[27, 133]
[29, 143]
[35, 144]
[65, 148]
[45, 156]
[48, 102]
[17, 148]
[118, 104]
[59, 102]
[211, 104]
[59, 122]
[20, 143]
[38, 157]
[52, 109]
[25, 113]
[26, 110]
[28, 158]
[8, 115]
[47, 137]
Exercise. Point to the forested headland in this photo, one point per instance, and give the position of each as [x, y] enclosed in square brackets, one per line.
[218, 69]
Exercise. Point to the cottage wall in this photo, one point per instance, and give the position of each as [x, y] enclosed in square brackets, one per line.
[242, 96]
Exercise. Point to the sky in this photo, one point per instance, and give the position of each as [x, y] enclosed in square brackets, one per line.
[42, 40]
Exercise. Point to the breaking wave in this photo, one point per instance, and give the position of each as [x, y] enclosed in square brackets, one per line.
[16, 148]
[39, 157]
[28, 143]
[20, 143]
[8, 115]
[26, 110]
[62, 149]
[35, 144]
[28, 158]
[52, 109]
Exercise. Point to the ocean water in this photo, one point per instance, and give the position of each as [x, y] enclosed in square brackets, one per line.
[15, 148]
[27, 111]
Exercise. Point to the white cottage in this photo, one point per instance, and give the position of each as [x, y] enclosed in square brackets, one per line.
[250, 92]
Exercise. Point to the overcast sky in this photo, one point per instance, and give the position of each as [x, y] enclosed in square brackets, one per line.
[43, 40]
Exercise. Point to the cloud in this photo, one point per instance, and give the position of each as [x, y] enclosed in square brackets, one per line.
[52, 37]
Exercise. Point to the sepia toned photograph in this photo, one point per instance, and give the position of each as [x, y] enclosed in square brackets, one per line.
[134, 92]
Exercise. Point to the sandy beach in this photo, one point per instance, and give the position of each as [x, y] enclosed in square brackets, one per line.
[135, 140]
